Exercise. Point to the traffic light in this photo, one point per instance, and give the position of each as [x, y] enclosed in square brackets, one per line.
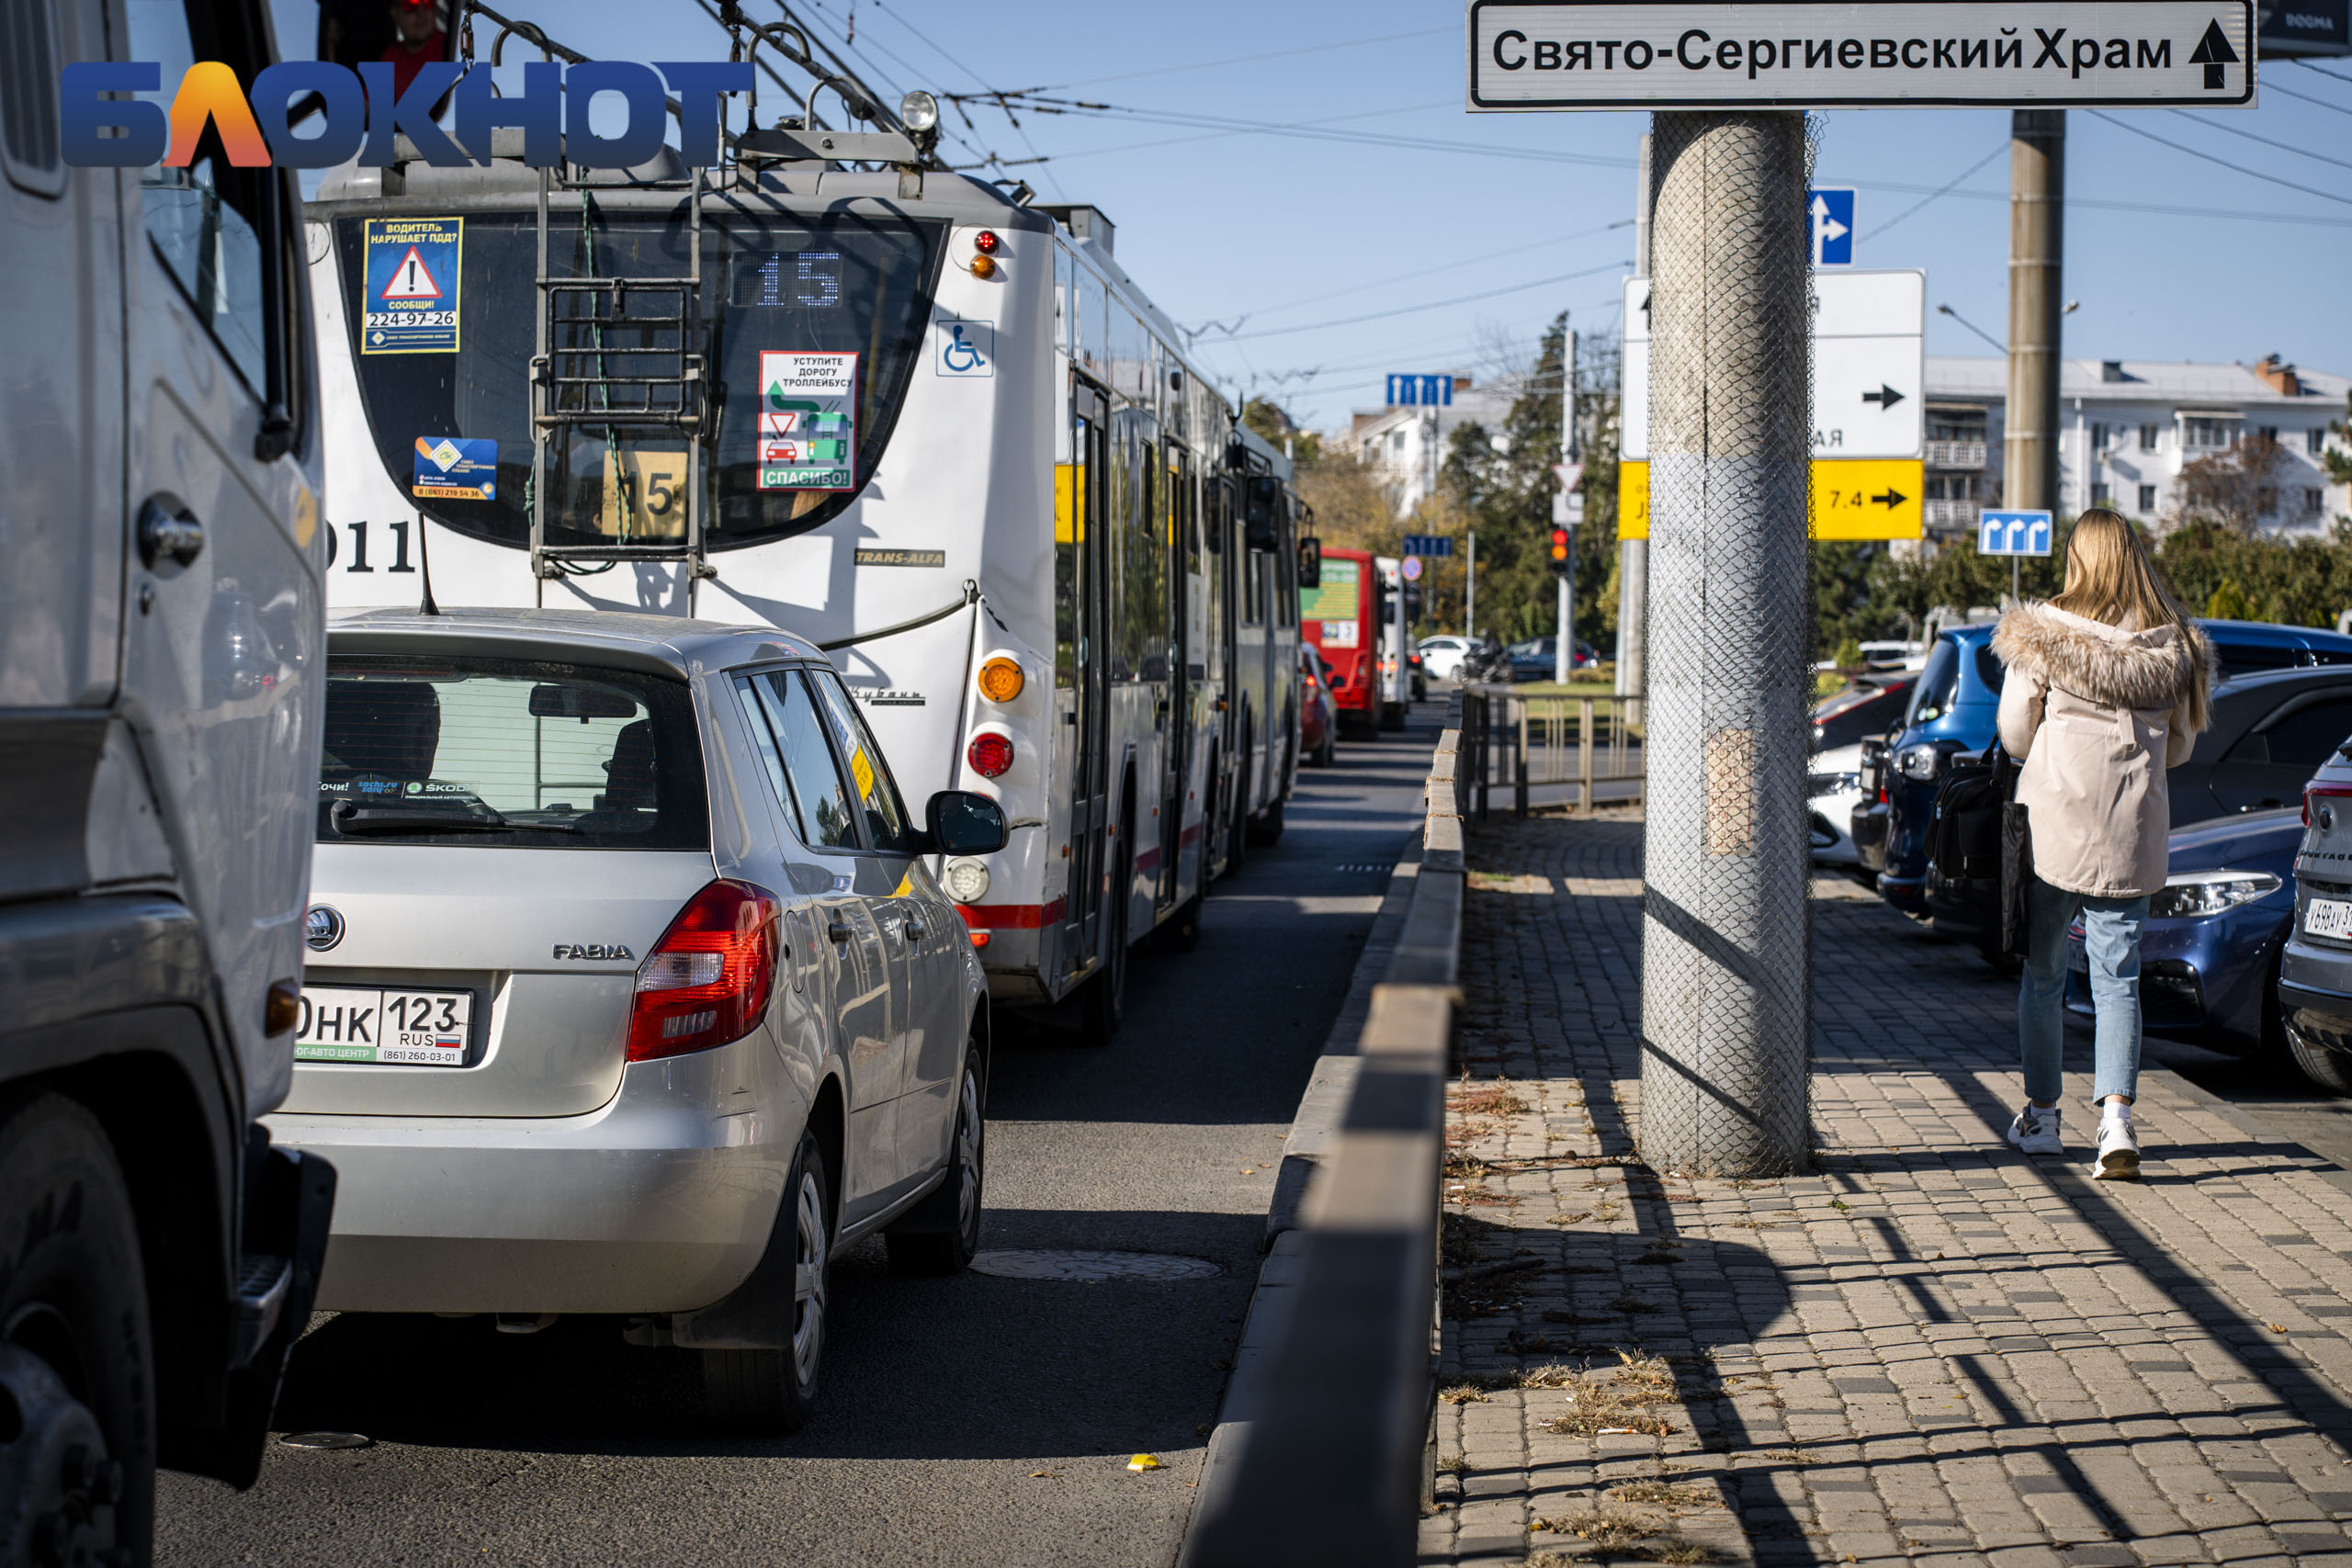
[1560, 547]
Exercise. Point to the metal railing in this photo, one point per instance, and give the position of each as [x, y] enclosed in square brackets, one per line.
[1549, 750]
[1321, 1455]
[1955, 454]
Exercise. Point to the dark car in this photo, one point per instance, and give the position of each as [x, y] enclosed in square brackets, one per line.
[1869, 706]
[1537, 659]
[1318, 720]
[2209, 951]
[2315, 969]
[1952, 713]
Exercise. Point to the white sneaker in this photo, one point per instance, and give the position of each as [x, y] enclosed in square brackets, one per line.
[2036, 1130]
[2118, 1152]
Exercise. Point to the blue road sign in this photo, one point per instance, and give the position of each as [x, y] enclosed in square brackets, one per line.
[2013, 533]
[1831, 210]
[1427, 545]
[1420, 391]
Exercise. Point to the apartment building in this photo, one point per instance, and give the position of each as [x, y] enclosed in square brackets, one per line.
[1406, 443]
[2129, 427]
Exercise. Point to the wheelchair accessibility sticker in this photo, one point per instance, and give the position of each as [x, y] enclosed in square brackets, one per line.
[963, 348]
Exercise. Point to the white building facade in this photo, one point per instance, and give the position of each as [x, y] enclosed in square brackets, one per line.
[1405, 443]
[2128, 428]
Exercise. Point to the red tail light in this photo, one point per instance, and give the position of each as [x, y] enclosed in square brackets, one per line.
[706, 982]
[991, 754]
[2326, 792]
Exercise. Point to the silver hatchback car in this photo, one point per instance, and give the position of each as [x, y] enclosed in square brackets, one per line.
[630, 989]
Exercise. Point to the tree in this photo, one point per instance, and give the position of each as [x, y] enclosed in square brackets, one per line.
[2235, 486]
[1273, 423]
[2227, 604]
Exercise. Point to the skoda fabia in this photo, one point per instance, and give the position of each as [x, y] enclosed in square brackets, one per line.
[631, 992]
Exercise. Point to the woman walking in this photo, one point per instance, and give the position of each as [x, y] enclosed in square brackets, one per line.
[2107, 688]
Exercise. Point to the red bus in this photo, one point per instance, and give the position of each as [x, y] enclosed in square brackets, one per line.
[1341, 615]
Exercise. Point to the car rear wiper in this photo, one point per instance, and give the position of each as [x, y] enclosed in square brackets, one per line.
[352, 819]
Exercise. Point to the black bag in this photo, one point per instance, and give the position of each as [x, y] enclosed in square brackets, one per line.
[2017, 873]
[1979, 861]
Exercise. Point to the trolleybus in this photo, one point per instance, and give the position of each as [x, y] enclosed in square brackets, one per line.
[830, 386]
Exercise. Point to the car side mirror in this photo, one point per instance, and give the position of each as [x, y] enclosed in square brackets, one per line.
[962, 823]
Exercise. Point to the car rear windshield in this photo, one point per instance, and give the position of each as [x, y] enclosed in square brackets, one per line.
[489, 752]
[806, 329]
[1868, 714]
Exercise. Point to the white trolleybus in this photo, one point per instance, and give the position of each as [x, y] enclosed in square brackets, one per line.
[832, 387]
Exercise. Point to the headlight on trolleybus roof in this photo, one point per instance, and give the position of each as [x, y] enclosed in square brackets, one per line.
[2191, 895]
[918, 111]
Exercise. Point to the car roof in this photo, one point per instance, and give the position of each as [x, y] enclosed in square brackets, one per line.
[682, 645]
[2271, 633]
[2300, 675]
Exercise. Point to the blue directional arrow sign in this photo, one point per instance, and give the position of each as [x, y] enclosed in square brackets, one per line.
[1831, 213]
[2013, 533]
[1427, 545]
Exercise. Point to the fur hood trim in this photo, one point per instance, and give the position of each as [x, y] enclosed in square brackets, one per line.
[2106, 664]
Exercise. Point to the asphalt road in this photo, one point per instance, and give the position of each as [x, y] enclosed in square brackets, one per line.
[976, 1420]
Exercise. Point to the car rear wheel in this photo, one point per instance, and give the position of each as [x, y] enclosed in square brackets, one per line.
[77, 1363]
[1266, 827]
[1330, 753]
[2322, 1065]
[775, 1390]
[940, 1235]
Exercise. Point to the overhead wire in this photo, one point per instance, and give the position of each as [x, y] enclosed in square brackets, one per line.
[2266, 141]
[1946, 190]
[1247, 59]
[1480, 260]
[2225, 163]
[2270, 87]
[1430, 305]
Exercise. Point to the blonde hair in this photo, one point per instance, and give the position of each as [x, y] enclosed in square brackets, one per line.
[2109, 579]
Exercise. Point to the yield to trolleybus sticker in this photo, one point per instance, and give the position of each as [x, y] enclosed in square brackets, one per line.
[454, 468]
[963, 348]
[409, 285]
[807, 421]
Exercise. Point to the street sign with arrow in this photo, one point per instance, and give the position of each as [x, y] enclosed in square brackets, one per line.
[1832, 211]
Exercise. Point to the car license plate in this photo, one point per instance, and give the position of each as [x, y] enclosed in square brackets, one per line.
[401, 1028]
[2328, 916]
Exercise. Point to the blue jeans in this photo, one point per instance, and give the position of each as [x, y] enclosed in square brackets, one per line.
[2111, 943]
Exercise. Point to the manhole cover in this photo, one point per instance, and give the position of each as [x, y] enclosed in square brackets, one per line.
[1087, 1266]
[327, 1440]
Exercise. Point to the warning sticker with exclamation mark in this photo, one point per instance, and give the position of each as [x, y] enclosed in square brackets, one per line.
[410, 285]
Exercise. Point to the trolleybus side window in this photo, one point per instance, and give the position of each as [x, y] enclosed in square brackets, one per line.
[1070, 522]
[838, 284]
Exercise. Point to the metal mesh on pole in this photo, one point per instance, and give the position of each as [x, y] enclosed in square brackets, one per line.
[1725, 943]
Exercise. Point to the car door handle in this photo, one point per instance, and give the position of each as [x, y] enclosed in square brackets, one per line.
[839, 931]
[165, 534]
[912, 932]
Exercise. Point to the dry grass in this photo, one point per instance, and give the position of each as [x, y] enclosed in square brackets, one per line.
[1462, 1394]
[1664, 1494]
[1621, 1399]
[1489, 1100]
[1609, 1529]
[1453, 1464]
[1633, 1304]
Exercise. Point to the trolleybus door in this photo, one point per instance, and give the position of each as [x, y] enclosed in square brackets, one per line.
[1176, 522]
[1091, 525]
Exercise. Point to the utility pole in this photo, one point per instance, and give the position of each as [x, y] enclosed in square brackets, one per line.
[1725, 1009]
[2037, 248]
[1568, 510]
[1470, 590]
[1633, 555]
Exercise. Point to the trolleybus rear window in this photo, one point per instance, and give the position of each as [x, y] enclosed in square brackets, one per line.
[854, 289]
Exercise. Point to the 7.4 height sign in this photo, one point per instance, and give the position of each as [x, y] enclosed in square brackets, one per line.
[1565, 54]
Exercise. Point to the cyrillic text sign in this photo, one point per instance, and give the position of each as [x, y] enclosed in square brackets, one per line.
[1572, 54]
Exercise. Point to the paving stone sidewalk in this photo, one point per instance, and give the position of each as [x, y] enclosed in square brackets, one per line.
[1931, 1349]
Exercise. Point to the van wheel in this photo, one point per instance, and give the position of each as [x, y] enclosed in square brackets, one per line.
[2319, 1064]
[1266, 827]
[1181, 931]
[940, 1235]
[775, 1390]
[78, 1364]
[1237, 833]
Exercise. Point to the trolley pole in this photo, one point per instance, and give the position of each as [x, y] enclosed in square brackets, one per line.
[1726, 1009]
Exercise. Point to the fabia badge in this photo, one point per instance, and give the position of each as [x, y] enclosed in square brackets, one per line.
[594, 951]
[323, 928]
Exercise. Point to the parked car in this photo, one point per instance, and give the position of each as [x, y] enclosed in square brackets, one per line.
[1318, 719]
[2316, 966]
[1442, 655]
[630, 990]
[1871, 706]
[1537, 657]
[1958, 695]
[2209, 951]
[1833, 787]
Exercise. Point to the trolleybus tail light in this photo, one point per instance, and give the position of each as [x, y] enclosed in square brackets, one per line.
[985, 242]
[1001, 680]
[990, 755]
[983, 266]
[706, 982]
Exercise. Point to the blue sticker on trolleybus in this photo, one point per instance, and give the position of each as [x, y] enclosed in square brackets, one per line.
[409, 285]
[963, 348]
[454, 468]
[807, 421]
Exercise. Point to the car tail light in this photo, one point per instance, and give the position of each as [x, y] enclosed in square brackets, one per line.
[2324, 792]
[706, 981]
[990, 755]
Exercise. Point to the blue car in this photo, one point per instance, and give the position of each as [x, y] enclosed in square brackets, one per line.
[1954, 709]
[2208, 953]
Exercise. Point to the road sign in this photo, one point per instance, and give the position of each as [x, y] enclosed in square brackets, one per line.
[1427, 545]
[1411, 567]
[1832, 212]
[1869, 499]
[1567, 54]
[2307, 27]
[2013, 533]
[1420, 391]
[1870, 366]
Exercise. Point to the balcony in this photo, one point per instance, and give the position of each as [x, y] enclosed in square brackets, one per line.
[1961, 514]
[1955, 454]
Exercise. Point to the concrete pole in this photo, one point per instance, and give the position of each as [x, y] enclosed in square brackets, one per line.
[1726, 940]
[1470, 593]
[2037, 254]
[1633, 555]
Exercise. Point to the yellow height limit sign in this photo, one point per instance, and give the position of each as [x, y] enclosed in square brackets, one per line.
[1859, 497]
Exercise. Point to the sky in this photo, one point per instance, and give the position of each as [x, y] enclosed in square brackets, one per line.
[1386, 230]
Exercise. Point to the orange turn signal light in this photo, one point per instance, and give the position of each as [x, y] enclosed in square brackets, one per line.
[984, 266]
[1001, 680]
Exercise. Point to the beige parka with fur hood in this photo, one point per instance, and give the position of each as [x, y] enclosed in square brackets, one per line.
[2097, 712]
